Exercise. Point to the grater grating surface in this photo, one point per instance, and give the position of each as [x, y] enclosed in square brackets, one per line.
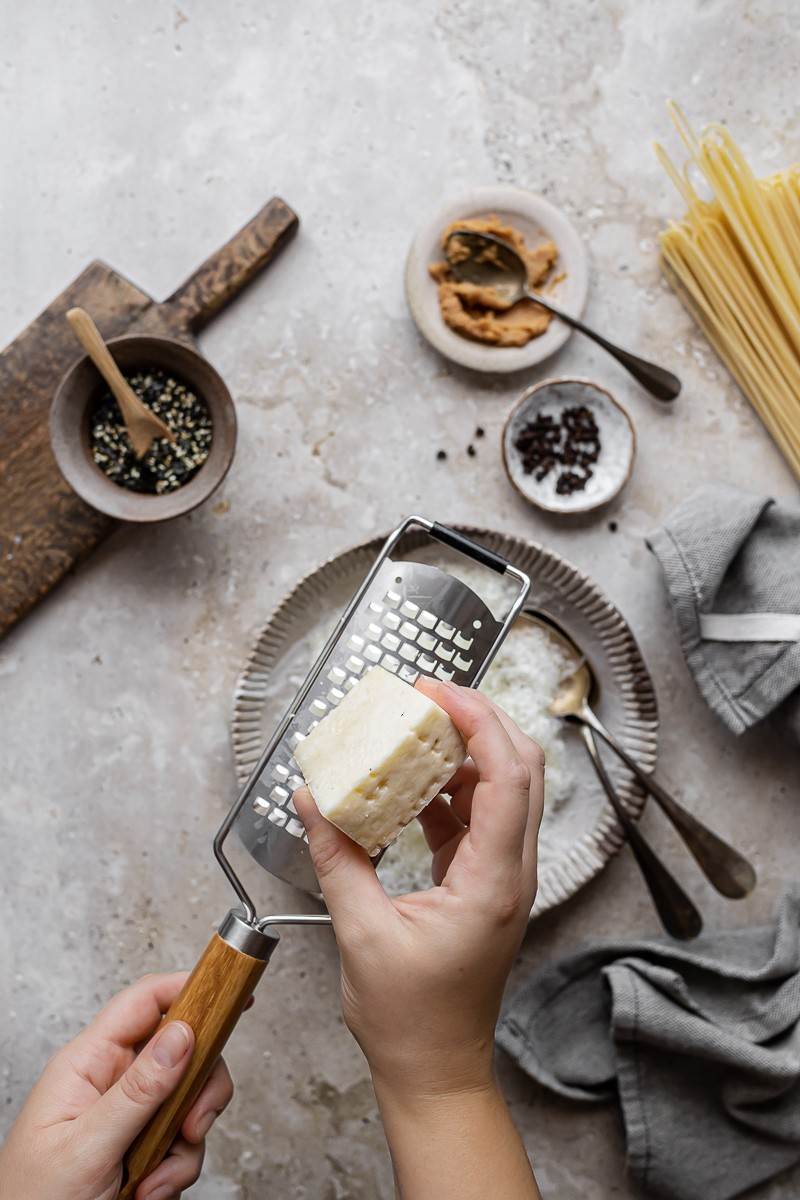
[408, 617]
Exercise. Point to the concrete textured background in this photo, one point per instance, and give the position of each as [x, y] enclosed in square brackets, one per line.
[146, 133]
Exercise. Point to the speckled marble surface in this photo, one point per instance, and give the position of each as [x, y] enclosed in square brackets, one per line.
[144, 134]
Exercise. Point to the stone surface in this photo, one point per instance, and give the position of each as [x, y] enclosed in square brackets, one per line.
[145, 134]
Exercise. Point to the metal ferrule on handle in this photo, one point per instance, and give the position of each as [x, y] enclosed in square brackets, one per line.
[241, 935]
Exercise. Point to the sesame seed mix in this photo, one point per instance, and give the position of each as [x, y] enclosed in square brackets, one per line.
[167, 465]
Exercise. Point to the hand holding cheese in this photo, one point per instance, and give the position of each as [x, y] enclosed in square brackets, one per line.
[379, 757]
[423, 975]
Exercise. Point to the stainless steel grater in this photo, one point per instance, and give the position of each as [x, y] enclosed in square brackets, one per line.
[408, 617]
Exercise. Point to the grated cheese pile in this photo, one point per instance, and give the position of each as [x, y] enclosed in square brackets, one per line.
[523, 679]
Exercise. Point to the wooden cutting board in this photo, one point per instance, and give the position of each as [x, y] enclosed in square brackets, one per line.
[45, 528]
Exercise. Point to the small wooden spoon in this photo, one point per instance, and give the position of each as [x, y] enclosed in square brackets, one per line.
[142, 424]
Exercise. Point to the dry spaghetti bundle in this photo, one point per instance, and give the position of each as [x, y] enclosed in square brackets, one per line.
[735, 262]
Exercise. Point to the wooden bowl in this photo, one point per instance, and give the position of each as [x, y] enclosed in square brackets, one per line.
[69, 429]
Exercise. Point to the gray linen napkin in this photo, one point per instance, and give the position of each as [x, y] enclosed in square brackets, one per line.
[731, 563]
[701, 1045]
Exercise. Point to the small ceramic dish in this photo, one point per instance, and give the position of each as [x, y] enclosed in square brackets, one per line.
[617, 445]
[69, 429]
[537, 220]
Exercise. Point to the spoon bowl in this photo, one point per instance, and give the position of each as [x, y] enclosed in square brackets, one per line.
[488, 261]
[576, 688]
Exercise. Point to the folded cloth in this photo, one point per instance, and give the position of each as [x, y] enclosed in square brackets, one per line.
[701, 1045]
[731, 562]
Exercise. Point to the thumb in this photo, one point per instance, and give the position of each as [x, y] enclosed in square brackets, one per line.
[346, 875]
[124, 1110]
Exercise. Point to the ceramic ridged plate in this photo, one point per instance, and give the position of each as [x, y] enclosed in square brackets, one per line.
[537, 220]
[581, 833]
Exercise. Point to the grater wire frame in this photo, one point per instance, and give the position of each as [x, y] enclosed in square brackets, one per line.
[440, 533]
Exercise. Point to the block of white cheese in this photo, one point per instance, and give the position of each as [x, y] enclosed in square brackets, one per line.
[379, 757]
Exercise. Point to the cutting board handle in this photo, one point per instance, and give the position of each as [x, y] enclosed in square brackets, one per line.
[230, 269]
[213, 998]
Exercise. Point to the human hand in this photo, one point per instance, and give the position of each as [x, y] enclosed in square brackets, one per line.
[99, 1092]
[423, 974]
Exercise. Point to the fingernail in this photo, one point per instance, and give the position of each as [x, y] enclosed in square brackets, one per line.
[172, 1044]
[204, 1123]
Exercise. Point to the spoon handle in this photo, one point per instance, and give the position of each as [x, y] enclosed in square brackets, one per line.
[142, 424]
[678, 914]
[91, 339]
[657, 380]
[725, 868]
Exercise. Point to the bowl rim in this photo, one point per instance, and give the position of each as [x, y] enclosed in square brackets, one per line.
[122, 504]
[542, 504]
[530, 207]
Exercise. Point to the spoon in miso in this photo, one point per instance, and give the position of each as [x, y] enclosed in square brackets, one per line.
[724, 867]
[488, 261]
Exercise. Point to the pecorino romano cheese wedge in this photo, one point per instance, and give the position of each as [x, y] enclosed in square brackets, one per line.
[378, 758]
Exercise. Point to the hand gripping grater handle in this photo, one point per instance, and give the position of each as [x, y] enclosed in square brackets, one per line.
[211, 1002]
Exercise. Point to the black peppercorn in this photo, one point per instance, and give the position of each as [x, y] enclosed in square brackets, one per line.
[571, 441]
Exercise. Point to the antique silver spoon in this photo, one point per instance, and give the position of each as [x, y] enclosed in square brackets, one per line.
[678, 913]
[492, 263]
[725, 868]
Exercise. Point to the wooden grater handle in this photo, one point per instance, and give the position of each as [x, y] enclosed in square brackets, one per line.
[211, 1002]
[230, 269]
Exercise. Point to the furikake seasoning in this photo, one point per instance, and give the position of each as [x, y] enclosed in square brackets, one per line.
[167, 465]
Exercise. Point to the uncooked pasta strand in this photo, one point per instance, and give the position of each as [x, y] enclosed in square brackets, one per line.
[734, 260]
[756, 377]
